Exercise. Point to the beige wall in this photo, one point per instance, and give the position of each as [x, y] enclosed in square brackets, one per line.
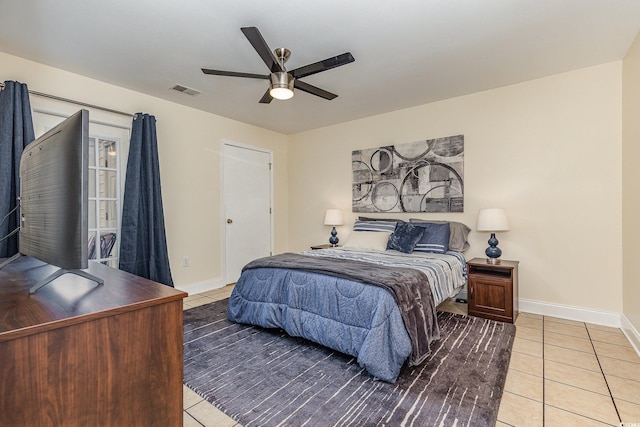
[189, 151]
[631, 182]
[548, 151]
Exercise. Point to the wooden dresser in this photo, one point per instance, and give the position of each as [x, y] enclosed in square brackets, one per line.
[81, 354]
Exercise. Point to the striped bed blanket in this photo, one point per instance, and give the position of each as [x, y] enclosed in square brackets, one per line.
[447, 272]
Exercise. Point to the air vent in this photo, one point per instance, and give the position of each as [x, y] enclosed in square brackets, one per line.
[187, 90]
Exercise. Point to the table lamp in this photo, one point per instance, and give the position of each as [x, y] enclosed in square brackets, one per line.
[492, 220]
[333, 217]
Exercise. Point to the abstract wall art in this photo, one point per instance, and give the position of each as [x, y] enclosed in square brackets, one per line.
[421, 176]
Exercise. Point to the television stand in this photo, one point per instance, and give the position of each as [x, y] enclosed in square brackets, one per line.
[111, 355]
[53, 276]
[10, 260]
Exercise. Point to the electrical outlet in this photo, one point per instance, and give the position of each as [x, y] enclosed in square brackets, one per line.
[185, 261]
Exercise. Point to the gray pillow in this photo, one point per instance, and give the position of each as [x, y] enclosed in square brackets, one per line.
[366, 218]
[458, 233]
[389, 226]
[405, 237]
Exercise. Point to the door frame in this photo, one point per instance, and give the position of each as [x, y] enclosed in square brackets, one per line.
[223, 200]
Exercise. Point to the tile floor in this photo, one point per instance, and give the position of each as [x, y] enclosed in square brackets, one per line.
[567, 373]
[562, 373]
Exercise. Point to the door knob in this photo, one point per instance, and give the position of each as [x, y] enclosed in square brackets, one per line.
[229, 220]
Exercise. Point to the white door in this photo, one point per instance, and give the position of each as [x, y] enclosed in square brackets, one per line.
[247, 207]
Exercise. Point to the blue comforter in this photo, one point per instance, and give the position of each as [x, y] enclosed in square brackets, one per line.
[354, 318]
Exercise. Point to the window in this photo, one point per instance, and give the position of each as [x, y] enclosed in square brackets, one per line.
[104, 199]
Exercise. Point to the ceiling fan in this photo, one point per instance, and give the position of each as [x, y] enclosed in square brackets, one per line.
[283, 81]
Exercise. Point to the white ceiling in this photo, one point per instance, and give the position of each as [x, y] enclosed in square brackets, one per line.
[407, 52]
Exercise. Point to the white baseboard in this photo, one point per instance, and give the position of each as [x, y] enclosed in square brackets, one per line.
[604, 318]
[579, 314]
[204, 286]
[631, 332]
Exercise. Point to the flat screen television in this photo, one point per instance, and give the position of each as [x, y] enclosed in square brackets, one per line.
[54, 198]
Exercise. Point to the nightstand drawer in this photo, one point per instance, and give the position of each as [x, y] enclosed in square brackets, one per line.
[489, 270]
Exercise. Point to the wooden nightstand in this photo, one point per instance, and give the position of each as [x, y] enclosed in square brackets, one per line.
[325, 246]
[493, 289]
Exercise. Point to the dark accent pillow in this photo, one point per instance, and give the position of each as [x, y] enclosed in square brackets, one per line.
[459, 232]
[405, 237]
[435, 238]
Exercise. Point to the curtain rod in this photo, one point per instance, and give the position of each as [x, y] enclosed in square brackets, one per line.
[71, 101]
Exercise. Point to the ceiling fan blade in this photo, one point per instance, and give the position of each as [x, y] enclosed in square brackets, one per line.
[313, 90]
[258, 43]
[235, 74]
[324, 65]
[266, 98]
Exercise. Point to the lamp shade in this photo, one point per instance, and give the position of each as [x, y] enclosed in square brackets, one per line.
[493, 219]
[333, 217]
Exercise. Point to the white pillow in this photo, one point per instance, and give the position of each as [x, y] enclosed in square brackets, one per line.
[368, 240]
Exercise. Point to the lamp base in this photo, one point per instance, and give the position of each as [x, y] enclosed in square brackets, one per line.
[493, 252]
[333, 240]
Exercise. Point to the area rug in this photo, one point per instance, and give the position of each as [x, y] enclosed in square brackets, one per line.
[263, 377]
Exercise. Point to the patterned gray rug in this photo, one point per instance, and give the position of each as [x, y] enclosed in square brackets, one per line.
[262, 377]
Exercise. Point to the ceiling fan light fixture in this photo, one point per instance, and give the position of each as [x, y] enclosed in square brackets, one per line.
[281, 81]
[281, 85]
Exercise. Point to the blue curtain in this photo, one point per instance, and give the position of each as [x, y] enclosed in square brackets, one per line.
[16, 131]
[143, 247]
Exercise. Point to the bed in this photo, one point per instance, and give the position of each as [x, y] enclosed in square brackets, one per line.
[365, 299]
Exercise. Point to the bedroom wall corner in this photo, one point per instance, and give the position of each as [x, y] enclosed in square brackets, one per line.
[547, 150]
[631, 185]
